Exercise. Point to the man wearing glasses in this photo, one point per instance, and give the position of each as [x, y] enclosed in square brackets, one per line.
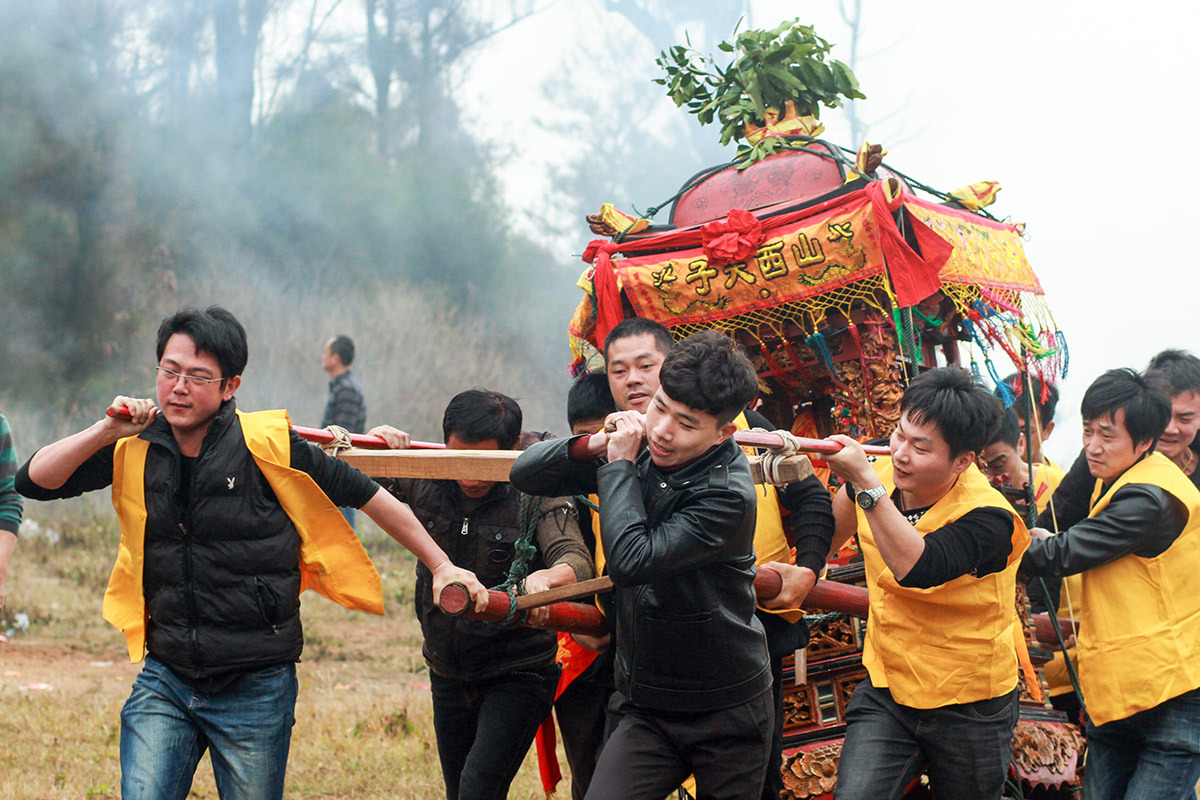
[225, 518]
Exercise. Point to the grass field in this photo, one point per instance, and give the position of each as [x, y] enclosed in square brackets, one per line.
[363, 718]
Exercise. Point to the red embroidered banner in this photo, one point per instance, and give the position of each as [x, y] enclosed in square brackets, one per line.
[796, 260]
[986, 252]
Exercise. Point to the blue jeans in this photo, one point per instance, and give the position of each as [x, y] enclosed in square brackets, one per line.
[967, 747]
[348, 513]
[166, 726]
[484, 728]
[1152, 755]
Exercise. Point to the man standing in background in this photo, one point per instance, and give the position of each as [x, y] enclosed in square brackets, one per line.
[10, 502]
[345, 407]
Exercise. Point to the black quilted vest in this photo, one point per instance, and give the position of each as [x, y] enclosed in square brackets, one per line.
[222, 575]
[483, 542]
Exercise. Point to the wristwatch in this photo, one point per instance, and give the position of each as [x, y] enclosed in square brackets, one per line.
[867, 498]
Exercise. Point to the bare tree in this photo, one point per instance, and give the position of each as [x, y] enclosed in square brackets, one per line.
[238, 27]
[382, 47]
[852, 16]
[418, 44]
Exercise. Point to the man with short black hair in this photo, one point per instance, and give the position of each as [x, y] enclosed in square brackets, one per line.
[1176, 373]
[346, 406]
[636, 348]
[1045, 399]
[225, 517]
[677, 509]
[941, 549]
[1137, 554]
[633, 354]
[1004, 457]
[492, 685]
[589, 402]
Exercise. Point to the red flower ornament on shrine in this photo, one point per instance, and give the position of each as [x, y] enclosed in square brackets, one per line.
[735, 238]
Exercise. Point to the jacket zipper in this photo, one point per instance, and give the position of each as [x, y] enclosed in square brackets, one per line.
[190, 590]
[260, 586]
[632, 632]
[188, 567]
[462, 551]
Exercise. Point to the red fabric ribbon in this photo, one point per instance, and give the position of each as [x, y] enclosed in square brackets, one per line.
[735, 238]
[548, 768]
[574, 659]
[604, 282]
[914, 273]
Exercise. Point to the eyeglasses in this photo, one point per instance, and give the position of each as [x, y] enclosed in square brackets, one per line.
[188, 380]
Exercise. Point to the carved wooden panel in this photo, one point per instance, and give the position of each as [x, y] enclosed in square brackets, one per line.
[811, 773]
[833, 638]
[798, 707]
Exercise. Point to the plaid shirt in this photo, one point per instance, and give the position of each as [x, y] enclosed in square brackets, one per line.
[346, 406]
[10, 501]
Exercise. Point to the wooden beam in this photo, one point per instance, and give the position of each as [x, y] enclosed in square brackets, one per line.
[476, 465]
[494, 465]
[559, 594]
[791, 469]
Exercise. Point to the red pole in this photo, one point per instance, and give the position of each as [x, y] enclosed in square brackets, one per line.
[323, 436]
[566, 617]
[586, 619]
[775, 441]
[1044, 628]
[360, 440]
[745, 438]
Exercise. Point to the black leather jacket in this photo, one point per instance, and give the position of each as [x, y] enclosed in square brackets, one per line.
[680, 549]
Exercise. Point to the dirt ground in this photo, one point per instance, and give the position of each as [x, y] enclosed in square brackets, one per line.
[33, 666]
[364, 722]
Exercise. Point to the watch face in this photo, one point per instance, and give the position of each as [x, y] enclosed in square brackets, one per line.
[865, 499]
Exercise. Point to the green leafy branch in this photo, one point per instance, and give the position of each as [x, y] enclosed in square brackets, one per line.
[767, 69]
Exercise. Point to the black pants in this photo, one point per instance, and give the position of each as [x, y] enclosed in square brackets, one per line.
[650, 752]
[581, 711]
[484, 728]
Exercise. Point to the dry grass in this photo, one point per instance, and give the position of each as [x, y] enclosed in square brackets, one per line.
[363, 730]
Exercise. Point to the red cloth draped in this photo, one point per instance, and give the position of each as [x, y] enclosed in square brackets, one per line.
[574, 659]
[914, 274]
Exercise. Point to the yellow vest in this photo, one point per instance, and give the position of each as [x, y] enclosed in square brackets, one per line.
[953, 643]
[1049, 477]
[598, 554]
[1139, 632]
[770, 541]
[332, 559]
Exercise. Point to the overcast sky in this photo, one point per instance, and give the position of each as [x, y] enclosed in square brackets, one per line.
[1082, 111]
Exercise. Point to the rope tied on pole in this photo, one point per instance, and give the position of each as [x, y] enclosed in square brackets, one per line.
[524, 551]
[772, 458]
[341, 440]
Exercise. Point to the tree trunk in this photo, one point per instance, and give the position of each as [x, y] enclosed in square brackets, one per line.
[238, 26]
[381, 58]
